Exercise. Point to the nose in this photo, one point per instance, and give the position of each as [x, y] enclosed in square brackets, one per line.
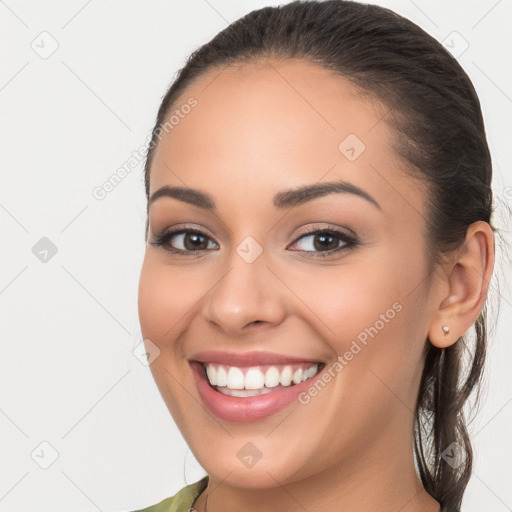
[247, 295]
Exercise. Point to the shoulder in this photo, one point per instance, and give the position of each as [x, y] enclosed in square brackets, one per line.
[182, 501]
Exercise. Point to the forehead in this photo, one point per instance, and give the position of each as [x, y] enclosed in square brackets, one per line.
[271, 123]
[270, 105]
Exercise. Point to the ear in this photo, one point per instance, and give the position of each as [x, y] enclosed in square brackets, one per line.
[465, 286]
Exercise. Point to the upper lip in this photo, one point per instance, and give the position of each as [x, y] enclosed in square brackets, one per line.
[247, 358]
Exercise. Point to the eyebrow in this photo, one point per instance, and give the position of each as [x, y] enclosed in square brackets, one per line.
[285, 199]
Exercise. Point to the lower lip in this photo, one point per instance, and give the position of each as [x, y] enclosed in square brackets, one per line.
[243, 409]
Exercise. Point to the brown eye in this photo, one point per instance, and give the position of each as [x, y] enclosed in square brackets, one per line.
[191, 241]
[184, 241]
[323, 242]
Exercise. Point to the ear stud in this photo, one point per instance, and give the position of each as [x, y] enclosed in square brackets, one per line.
[446, 329]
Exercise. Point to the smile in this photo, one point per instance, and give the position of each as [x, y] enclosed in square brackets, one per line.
[256, 380]
[237, 403]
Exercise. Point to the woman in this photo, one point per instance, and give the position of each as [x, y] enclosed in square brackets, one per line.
[319, 245]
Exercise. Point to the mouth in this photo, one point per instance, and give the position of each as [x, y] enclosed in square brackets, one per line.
[249, 381]
[234, 402]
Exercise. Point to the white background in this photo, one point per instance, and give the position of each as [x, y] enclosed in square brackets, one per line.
[69, 326]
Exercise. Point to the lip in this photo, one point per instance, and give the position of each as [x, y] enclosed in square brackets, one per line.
[244, 359]
[246, 409]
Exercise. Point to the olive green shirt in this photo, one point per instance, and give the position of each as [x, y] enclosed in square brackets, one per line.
[182, 501]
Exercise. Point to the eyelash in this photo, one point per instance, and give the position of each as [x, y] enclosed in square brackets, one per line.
[160, 240]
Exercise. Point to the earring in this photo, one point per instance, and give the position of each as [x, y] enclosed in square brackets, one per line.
[446, 329]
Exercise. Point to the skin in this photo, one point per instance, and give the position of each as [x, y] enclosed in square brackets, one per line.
[258, 129]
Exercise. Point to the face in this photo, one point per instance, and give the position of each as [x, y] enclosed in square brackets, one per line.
[338, 278]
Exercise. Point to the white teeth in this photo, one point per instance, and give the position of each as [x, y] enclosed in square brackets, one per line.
[244, 392]
[211, 372]
[233, 378]
[272, 377]
[222, 376]
[254, 379]
[297, 376]
[286, 376]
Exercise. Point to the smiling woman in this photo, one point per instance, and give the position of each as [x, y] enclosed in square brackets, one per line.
[319, 245]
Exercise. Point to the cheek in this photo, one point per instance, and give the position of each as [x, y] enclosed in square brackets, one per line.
[349, 298]
[367, 314]
[166, 297]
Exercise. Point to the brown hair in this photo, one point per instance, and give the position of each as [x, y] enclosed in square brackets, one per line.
[436, 115]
